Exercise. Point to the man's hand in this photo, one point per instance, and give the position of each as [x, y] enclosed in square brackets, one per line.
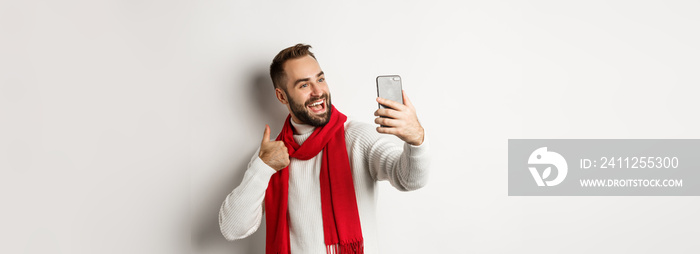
[273, 153]
[402, 120]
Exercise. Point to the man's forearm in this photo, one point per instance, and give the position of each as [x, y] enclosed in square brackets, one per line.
[405, 167]
[241, 212]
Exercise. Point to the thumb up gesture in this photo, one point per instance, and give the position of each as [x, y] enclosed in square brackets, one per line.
[273, 153]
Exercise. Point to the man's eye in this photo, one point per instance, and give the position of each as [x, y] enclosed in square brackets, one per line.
[321, 80]
[304, 85]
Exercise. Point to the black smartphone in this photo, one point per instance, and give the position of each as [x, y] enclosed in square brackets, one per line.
[389, 87]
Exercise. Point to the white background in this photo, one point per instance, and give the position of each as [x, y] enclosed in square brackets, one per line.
[124, 124]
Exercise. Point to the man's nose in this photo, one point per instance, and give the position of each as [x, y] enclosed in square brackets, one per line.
[316, 90]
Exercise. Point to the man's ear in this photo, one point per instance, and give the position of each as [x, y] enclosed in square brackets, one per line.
[281, 96]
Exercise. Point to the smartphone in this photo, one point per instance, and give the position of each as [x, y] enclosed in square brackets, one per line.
[389, 87]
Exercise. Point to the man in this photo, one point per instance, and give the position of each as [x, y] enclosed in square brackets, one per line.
[316, 184]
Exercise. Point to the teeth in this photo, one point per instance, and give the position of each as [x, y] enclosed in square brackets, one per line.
[316, 103]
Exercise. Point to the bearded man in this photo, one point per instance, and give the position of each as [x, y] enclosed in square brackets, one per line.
[316, 183]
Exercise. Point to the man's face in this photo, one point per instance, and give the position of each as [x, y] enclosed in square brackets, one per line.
[308, 97]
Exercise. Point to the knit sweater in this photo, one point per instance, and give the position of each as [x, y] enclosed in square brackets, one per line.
[373, 157]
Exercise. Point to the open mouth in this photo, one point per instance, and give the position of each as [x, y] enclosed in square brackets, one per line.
[318, 107]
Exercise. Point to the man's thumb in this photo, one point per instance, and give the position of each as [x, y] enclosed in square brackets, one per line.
[266, 134]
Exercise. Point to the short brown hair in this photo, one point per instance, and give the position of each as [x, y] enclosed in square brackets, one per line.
[277, 67]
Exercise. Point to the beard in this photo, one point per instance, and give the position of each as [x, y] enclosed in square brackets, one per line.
[301, 111]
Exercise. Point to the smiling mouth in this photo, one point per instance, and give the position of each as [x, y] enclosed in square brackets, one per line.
[318, 107]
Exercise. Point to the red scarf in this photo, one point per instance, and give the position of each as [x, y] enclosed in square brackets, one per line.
[341, 221]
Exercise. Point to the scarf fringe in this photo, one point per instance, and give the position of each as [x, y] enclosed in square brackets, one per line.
[355, 247]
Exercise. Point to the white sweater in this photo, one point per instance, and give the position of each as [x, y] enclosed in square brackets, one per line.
[373, 157]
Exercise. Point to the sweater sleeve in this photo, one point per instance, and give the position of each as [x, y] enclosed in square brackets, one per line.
[405, 166]
[242, 210]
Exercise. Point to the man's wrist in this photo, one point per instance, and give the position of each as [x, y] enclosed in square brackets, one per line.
[419, 140]
[418, 150]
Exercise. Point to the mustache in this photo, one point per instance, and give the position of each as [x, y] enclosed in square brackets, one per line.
[312, 100]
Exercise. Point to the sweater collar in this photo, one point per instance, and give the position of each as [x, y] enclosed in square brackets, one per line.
[300, 128]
